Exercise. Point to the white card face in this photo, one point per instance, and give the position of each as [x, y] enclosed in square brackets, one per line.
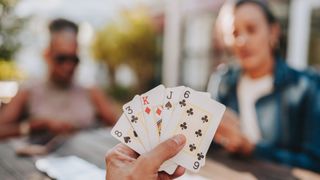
[174, 95]
[208, 95]
[152, 110]
[171, 100]
[124, 132]
[134, 114]
[197, 117]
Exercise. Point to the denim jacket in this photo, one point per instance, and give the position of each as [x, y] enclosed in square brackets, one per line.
[289, 117]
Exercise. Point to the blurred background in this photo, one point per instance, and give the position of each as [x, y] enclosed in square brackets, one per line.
[129, 46]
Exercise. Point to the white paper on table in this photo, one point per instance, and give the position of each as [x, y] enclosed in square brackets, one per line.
[70, 167]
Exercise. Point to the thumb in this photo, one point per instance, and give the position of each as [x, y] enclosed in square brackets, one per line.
[165, 151]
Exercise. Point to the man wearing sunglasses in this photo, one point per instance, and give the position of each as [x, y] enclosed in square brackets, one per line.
[56, 105]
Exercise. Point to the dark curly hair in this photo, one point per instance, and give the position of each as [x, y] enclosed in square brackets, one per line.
[60, 24]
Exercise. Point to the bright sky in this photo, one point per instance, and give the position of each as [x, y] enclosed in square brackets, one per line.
[94, 11]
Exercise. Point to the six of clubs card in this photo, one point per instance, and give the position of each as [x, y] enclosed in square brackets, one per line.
[162, 113]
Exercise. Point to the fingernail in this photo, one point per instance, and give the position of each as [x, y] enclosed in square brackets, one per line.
[179, 139]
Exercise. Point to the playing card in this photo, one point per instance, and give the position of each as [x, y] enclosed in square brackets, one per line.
[171, 99]
[162, 113]
[134, 114]
[170, 102]
[206, 94]
[124, 132]
[197, 117]
[152, 109]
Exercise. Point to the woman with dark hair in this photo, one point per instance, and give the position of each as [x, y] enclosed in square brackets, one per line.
[279, 118]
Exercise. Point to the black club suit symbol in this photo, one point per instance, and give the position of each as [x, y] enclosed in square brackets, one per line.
[190, 112]
[134, 119]
[182, 103]
[183, 126]
[198, 133]
[200, 156]
[204, 119]
[192, 147]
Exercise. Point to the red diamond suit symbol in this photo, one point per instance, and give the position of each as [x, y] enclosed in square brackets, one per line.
[158, 111]
[147, 110]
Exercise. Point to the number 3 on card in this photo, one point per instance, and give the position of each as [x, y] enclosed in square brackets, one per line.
[130, 111]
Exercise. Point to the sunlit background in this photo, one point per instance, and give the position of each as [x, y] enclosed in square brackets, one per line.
[128, 46]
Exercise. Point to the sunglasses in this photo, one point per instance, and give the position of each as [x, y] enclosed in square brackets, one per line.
[62, 58]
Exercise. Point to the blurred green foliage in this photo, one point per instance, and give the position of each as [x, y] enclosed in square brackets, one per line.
[120, 93]
[130, 40]
[9, 71]
[10, 26]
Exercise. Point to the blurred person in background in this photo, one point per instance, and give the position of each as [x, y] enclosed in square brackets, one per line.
[56, 105]
[277, 111]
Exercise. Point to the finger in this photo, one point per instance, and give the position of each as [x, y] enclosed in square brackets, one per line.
[128, 151]
[231, 149]
[163, 176]
[179, 172]
[121, 152]
[163, 152]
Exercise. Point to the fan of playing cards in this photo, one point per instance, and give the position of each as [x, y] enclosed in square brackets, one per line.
[161, 113]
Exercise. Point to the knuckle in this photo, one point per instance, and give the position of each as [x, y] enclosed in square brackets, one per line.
[109, 155]
[144, 161]
[171, 144]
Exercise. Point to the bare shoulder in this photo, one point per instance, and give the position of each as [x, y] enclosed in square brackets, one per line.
[21, 96]
[95, 92]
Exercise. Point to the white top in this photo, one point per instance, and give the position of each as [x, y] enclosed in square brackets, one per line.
[249, 91]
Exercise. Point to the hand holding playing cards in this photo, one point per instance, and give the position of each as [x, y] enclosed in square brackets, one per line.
[161, 113]
[124, 163]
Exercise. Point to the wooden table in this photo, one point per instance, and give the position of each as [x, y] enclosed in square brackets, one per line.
[92, 146]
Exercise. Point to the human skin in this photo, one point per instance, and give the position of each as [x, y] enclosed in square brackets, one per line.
[123, 163]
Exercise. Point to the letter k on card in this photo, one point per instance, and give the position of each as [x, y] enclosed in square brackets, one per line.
[152, 107]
